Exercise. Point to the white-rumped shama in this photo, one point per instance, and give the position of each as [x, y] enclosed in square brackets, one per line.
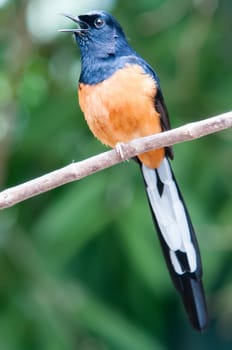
[121, 98]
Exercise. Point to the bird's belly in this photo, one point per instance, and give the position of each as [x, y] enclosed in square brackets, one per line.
[122, 108]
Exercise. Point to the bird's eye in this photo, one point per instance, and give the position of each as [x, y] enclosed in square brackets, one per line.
[99, 22]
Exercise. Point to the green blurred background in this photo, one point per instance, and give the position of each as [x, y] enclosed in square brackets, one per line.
[80, 266]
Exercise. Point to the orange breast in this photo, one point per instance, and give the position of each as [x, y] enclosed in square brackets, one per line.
[122, 108]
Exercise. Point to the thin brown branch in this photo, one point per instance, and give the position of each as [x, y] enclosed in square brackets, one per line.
[79, 170]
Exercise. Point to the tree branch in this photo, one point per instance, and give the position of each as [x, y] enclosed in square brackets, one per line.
[78, 170]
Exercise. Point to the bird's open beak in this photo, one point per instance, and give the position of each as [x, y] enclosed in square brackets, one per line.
[83, 26]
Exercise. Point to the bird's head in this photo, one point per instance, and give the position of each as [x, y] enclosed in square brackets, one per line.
[98, 34]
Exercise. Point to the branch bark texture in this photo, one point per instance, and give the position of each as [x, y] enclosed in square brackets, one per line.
[79, 170]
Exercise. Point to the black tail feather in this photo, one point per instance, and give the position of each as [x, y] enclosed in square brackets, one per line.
[194, 301]
[190, 288]
[188, 283]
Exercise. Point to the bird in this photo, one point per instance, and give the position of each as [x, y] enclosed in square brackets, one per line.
[121, 98]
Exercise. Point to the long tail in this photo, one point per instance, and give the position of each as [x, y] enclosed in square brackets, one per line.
[178, 240]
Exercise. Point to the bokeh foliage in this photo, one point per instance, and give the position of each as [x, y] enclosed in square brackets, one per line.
[80, 266]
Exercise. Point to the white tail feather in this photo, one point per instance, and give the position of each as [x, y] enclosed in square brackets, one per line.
[170, 214]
